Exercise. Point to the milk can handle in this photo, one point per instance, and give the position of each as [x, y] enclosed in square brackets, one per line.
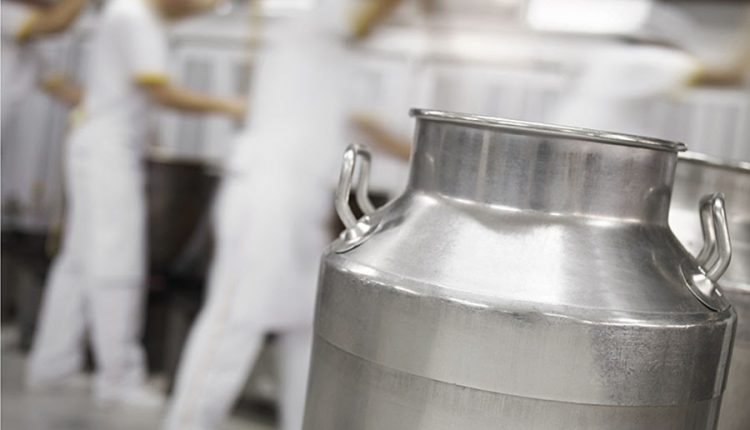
[716, 253]
[354, 156]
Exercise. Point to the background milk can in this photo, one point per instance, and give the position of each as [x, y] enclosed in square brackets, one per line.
[696, 175]
[526, 279]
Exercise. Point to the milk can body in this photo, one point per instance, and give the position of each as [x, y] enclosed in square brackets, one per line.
[696, 175]
[526, 279]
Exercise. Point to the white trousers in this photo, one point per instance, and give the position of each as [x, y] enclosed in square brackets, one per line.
[216, 365]
[96, 283]
[270, 233]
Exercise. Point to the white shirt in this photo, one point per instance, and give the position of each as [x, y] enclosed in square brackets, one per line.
[616, 89]
[297, 116]
[21, 62]
[129, 47]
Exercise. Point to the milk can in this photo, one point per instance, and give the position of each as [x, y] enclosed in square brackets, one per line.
[526, 279]
[698, 174]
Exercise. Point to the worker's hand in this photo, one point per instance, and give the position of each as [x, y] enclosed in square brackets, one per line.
[52, 19]
[186, 100]
[62, 88]
[370, 15]
[719, 77]
[201, 6]
[371, 127]
[236, 109]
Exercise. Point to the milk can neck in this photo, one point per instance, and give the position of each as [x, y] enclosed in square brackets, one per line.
[525, 166]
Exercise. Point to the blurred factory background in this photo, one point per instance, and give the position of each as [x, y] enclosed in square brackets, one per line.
[505, 58]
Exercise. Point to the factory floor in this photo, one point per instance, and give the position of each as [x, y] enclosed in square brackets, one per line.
[73, 409]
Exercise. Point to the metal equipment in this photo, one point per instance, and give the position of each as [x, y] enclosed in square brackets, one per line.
[526, 279]
[698, 174]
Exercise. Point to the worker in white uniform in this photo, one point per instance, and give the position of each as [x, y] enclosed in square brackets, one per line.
[96, 284]
[617, 86]
[272, 222]
[23, 65]
[25, 68]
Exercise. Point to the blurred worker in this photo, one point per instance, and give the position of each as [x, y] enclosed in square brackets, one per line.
[97, 282]
[617, 86]
[271, 221]
[384, 123]
[23, 67]
[736, 70]
[26, 28]
[615, 90]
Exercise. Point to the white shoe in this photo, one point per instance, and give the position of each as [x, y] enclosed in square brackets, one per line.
[141, 396]
[79, 382]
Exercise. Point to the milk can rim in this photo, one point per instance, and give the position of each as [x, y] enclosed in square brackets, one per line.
[530, 128]
[717, 162]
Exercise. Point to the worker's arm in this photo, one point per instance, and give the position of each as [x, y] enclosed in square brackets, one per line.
[202, 6]
[729, 76]
[733, 73]
[145, 51]
[51, 19]
[383, 138]
[371, 15]
[62, 88]
[185, 100]
[190, 8]
[427, 6]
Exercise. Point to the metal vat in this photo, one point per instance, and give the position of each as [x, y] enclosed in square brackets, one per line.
[526, 279]
[698, 174]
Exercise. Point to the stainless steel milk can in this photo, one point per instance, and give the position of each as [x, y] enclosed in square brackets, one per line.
[526, 279]
[696, 175]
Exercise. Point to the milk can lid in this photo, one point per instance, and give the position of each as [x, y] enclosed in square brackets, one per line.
[535, 128]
